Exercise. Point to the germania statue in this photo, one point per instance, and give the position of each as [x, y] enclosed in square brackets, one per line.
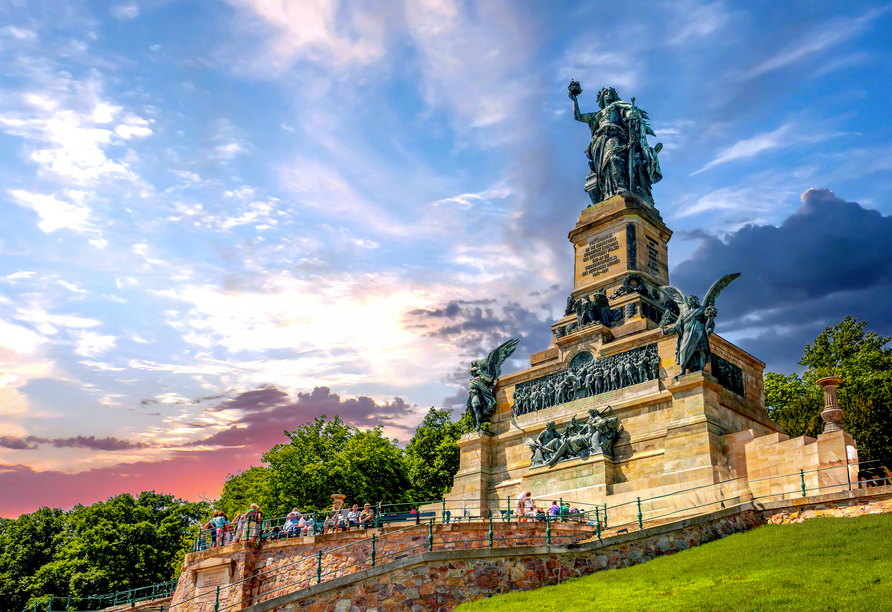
[619, 157]
[694, 325]
[484, 376]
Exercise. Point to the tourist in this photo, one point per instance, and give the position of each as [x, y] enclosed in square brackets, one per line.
[343, 524]
[555, 509]
[238, 523]
[252, 523]
[565, 511]
[219, 523]
[330, 523]
[290, 528]
[353, 517]
[209, 532]
[529, 506]
[367, 517]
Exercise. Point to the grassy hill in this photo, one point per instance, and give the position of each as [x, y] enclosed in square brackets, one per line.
[823, 564]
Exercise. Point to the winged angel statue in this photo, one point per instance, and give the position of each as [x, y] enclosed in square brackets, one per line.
[695, 323]
[484, 376]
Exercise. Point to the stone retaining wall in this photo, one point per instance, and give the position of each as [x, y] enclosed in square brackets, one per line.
[438, 581]
[282, 566]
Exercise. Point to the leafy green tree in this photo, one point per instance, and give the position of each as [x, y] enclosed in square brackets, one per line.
[243, 489]
[432, 455]
[119, 544]
[26, 545]
[864, 362]
[323, 458]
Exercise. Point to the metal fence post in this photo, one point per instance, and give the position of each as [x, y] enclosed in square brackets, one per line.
[319, 568]
[605, 515]
[444, 509]
[217, 600]
[430, 535]
[640, 524]
[802, 478]
[68, 603]
[490, 529]
[373, 550]
[548, 529]
[49, 604]
[597, 523]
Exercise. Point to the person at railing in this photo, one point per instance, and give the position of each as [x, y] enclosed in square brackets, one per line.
[237, 525]
[343, 523]
[305, 525]
[291, 522]
[353, 516]
[526, 507]
[565, 511]
[329, 525]
[252, 523]
[555, 509]
[366, 517]
[218, 525]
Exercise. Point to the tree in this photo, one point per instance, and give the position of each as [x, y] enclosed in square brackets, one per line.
[864, 362]
[243, 489]
[27, 544]
[432, 455]
[119, 544]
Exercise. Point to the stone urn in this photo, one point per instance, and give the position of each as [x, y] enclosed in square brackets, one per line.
[337, 502]
[832, 413]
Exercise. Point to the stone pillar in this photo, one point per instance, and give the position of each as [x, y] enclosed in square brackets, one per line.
[471, 487]
[832, 413]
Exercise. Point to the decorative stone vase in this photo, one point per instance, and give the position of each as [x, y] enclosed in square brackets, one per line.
[337, 501]
[832, 413]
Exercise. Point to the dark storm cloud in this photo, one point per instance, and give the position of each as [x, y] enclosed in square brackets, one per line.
[258, 399]
[477, 330]
[270, 411]
[829, 259]
[88, 442]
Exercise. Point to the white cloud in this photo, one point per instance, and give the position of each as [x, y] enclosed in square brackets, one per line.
[90, 344]
[133, 126]
[826, 36]
[787, 135]
[124, 11]
[54, 214]
[99, 243]
[19, 33]
[333, 32]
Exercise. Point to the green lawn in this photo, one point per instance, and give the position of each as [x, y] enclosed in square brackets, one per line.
[820, 565]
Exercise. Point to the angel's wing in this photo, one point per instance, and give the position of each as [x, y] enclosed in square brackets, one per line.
[717, 288]
[496, 358]
[678, 297]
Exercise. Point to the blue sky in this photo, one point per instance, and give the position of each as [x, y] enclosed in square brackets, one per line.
[225, 217]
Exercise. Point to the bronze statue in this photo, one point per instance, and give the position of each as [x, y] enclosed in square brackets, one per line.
[694, 324]
[484, 377]
[620, 158]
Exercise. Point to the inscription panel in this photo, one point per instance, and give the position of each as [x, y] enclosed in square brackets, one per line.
[600, 254]
[208, 580]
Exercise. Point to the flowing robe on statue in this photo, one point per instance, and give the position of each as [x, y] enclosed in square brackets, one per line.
[693, 330]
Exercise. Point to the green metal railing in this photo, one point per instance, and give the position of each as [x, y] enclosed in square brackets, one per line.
[367, 552]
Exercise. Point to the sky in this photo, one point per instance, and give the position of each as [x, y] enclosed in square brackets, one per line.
[223, 218]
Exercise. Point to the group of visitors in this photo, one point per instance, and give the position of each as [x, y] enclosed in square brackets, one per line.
[339, 520]
[528, 511]
[249, 527]
[220, 531]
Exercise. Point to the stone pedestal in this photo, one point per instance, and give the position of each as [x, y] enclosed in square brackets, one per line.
[693, 448]
[471, 486]
[620, 235]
